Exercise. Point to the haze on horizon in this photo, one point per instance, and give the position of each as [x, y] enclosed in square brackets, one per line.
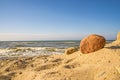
[58, 19]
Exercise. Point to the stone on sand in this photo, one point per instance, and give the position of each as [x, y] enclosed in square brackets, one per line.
[71, 50]
[92, 43]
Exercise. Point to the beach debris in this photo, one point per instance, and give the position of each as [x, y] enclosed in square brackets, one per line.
[118, 36]
[71, 50]
[92, 43]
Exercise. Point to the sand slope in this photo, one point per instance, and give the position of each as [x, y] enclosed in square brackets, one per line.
[100, 65]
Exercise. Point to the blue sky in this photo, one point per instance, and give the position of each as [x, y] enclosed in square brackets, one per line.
[58, 19]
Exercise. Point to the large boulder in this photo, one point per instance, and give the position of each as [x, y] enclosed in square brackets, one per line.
[92, 43]
[118, 36]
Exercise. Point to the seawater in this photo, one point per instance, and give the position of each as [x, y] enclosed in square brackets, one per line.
[56, 44]
[33, 48]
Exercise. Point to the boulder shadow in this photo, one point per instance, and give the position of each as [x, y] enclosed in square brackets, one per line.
[113, 47]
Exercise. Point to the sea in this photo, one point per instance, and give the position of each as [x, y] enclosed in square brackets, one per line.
[32, 48]
[54, 43]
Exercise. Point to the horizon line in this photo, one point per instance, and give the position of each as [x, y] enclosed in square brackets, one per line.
[49, 40]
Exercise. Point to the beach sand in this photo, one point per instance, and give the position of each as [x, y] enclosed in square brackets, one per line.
[103, 64]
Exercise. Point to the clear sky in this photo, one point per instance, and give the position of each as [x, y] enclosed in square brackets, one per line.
[58, 19]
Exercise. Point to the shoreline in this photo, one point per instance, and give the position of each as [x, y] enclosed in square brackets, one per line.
[29, 51]
[32, 51]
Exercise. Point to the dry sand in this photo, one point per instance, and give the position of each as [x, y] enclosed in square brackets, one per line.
[103, 64]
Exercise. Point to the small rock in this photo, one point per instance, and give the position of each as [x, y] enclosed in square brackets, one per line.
[92, 43]
[20, 72]
[71, 50]
[32, 65]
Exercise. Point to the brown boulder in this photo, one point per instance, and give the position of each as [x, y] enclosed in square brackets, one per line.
[92, 43]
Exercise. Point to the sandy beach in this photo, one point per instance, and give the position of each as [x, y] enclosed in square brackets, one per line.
[103, 64]
[59, 39]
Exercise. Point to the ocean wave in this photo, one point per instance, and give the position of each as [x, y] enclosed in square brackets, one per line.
[29, 51]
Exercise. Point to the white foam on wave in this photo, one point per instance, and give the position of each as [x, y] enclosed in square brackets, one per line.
[29, 51]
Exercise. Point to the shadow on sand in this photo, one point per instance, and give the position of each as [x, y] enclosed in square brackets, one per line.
[113, 47]
[5, 77]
